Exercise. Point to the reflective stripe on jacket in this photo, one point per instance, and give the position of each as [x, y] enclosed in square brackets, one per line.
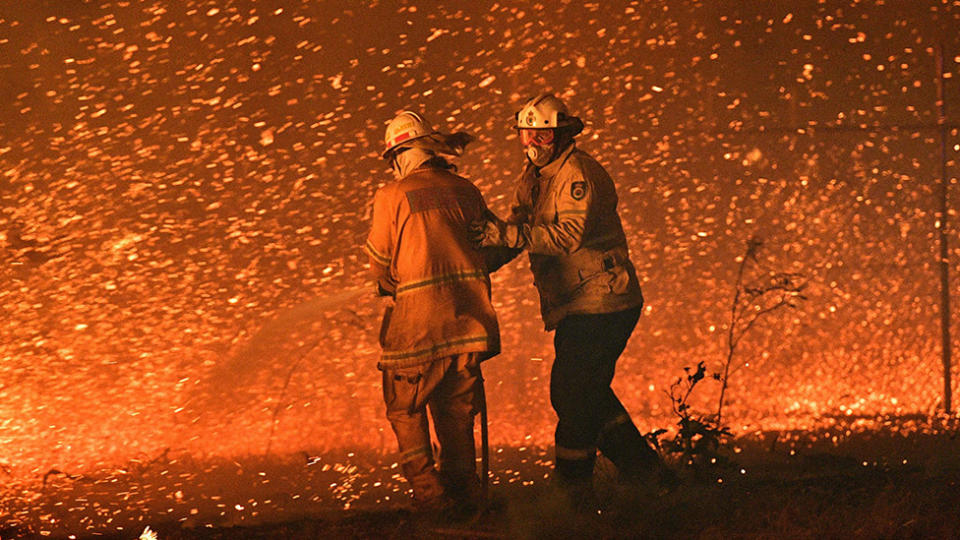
[578, 251]
[420, 253]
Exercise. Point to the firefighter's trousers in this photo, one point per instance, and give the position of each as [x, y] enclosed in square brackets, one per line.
[590, 416]
[451, 388]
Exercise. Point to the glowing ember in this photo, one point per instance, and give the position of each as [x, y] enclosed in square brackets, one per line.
[181, 182]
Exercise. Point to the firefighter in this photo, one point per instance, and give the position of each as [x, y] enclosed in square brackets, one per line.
[440, 325]
[565, 217]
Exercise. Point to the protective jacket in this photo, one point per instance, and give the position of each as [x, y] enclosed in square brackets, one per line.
[420, 254]
[577, 247]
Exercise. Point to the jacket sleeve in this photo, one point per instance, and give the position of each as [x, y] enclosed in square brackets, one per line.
[380, 244]
[574, 195]
[495, 257]
[523, 197]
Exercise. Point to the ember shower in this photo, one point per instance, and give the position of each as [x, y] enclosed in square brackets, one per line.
[182, 181]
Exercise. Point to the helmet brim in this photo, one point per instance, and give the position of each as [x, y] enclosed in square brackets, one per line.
[436, 142]
[573, 123]
[386, 153]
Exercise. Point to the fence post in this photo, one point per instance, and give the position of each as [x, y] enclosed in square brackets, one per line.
[942, 232]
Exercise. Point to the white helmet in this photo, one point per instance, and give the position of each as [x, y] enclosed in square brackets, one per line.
[405, 127]
[545, 111]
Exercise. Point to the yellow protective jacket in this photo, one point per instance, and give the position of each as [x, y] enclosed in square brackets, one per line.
[421, 254]
[578, 251]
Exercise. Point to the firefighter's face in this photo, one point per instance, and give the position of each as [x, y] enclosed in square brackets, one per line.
[538, 144]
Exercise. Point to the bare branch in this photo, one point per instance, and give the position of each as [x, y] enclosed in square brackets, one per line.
[753, 302]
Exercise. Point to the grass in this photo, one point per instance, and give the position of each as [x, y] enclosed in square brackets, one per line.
[869, 503]
[891, 481]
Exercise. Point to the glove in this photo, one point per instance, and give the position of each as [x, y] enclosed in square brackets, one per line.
[491, 231]
[385, 290]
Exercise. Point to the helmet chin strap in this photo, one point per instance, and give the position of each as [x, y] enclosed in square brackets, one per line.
[395, 167]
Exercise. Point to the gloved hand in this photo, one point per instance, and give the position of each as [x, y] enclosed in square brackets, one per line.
[386, 289]
[491, 231]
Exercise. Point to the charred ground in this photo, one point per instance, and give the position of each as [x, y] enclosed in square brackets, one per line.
[860, 478]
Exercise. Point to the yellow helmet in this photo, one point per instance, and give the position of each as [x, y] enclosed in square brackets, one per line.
[405, 127]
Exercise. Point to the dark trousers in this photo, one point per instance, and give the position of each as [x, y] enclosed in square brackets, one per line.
[590, 416]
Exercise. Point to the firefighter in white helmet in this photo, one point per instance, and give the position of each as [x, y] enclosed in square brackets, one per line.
[441, 324]
[565, 217]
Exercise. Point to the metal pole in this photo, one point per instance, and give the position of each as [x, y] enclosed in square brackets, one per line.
[942, 232]
[484, 444]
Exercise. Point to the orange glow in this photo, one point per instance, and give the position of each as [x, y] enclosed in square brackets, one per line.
[185, 194]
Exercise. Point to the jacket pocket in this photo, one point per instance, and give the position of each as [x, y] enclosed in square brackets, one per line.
[401, 389]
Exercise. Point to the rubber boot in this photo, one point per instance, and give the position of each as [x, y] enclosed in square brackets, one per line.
[466, 492]
[636, 461]
[429, 495]
[574, 483]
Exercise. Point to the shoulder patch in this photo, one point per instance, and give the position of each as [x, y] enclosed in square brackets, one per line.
[578, 190]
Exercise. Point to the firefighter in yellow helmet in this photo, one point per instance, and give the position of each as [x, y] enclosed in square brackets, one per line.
[565, 217]
[441, 324]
